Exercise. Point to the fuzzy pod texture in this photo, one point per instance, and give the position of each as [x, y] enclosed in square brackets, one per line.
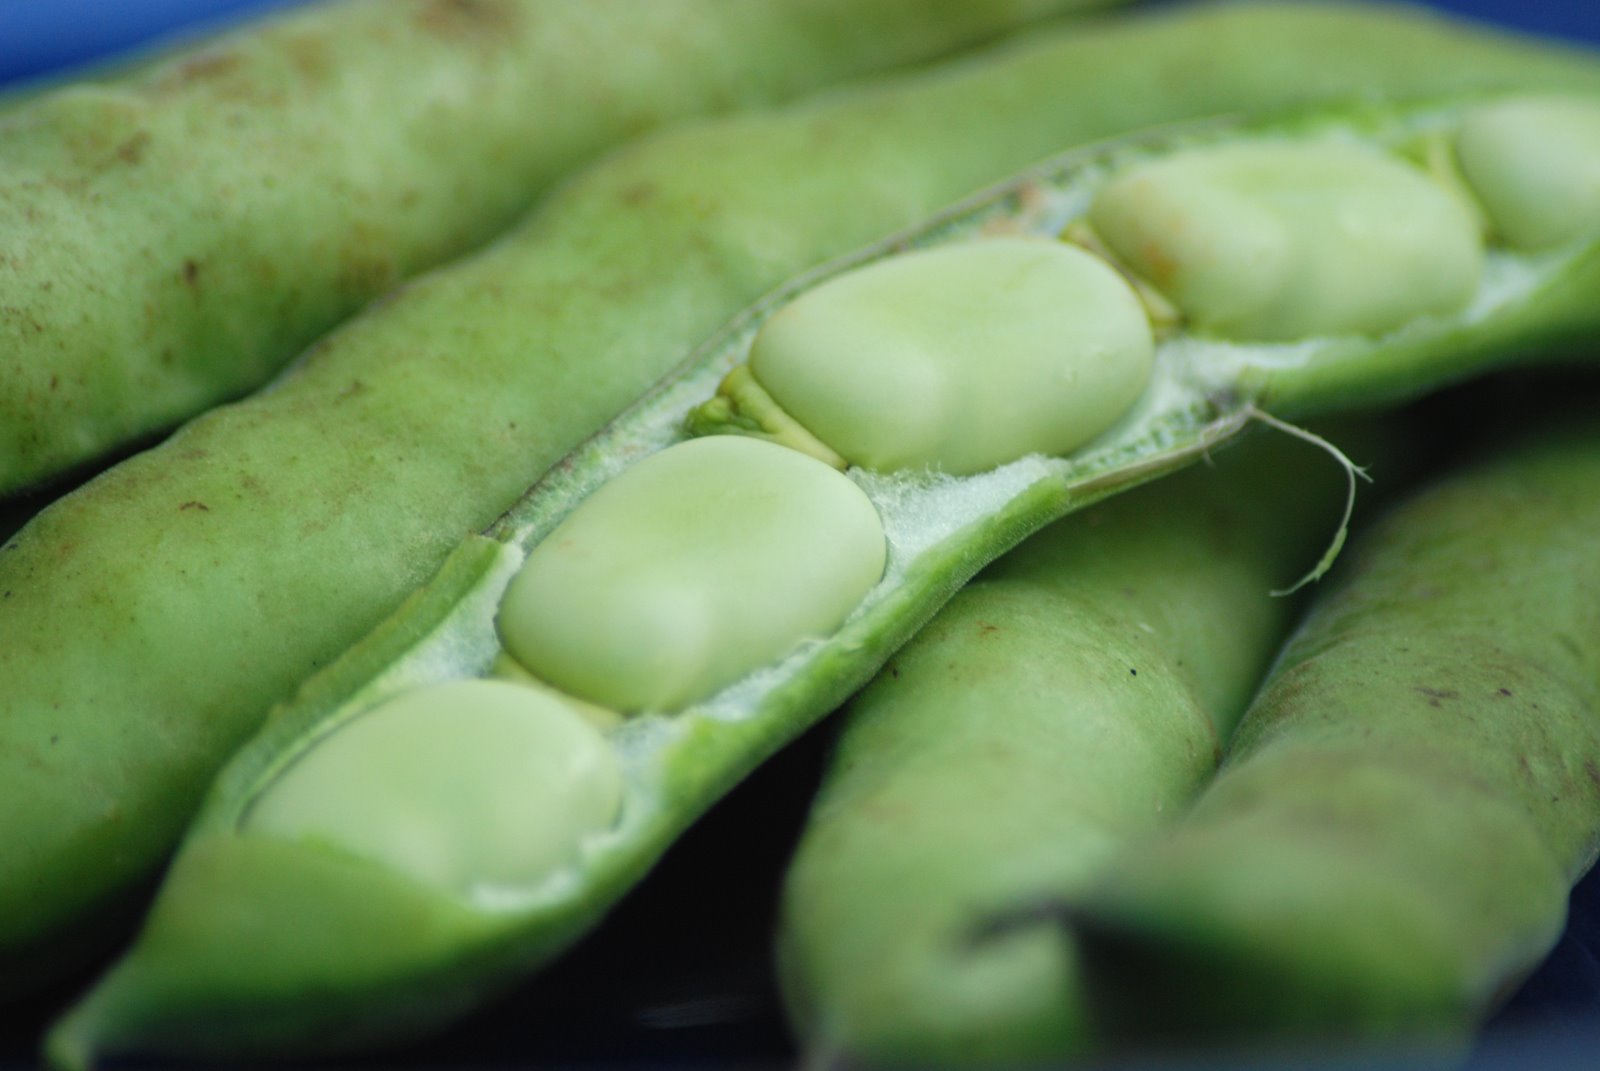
[1068, 702]
[149, 620]
[1390, 843]
[175, 234]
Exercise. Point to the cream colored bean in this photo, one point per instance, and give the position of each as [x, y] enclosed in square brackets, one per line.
[689, 570]
[962, 357]
[467, 786]
[1534, 164]
[1279, 241]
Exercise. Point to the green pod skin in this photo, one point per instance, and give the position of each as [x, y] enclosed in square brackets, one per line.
[152, 618]
[174, 235]
[1389, 845]
[940, 530]
[1070, 700]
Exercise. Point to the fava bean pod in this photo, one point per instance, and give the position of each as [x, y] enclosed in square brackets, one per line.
[197, 981]
[1389, 845]
[150, 619]
[1071, 700]
[171, 236]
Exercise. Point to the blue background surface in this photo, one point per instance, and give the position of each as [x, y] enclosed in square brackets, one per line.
[1577, 19]
[40, 36]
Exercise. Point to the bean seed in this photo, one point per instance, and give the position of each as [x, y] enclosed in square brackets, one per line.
[1277, 241]
[962, 357]
[695, 566]
[1535, 165]
[440, 784]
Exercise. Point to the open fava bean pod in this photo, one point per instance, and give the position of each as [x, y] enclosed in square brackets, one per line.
[153, 617]
[654, 620]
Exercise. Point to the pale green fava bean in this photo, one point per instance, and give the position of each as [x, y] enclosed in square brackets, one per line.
[961, 357]
[1276, 242]
[689, 570]
[1534, 164]
[469, 786]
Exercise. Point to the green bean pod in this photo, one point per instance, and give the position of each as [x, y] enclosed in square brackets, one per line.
[149, 620]
[1389, 845]
[1071, 700]
[175, 234]
[192, 982]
